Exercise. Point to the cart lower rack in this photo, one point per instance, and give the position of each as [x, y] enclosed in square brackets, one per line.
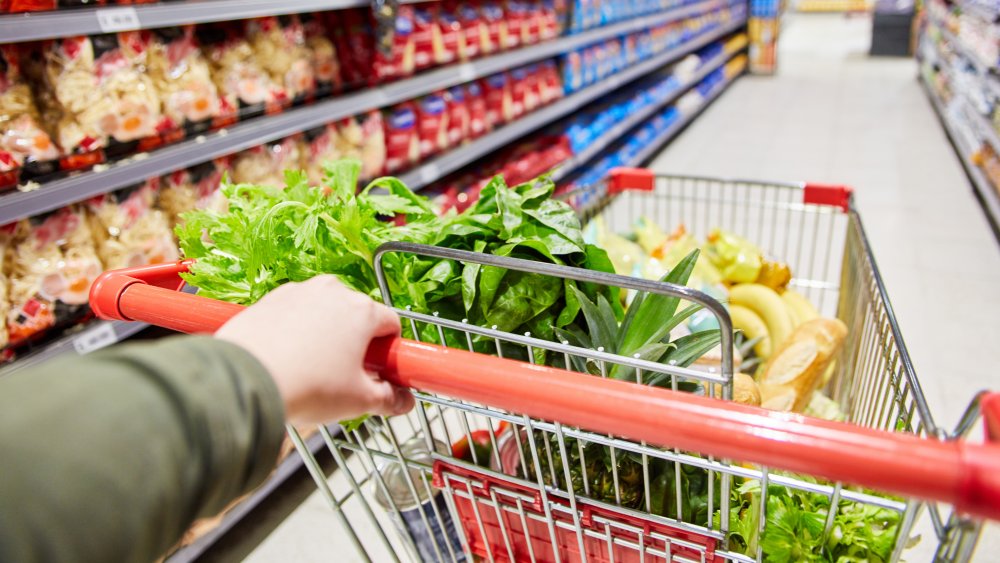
[516, 456]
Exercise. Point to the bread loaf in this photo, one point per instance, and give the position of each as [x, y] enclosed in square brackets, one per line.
[796, 367]
[745, 390]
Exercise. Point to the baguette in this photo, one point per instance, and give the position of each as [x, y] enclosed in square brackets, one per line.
[796, 368]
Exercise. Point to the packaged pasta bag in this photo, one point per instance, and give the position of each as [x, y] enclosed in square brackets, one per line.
[550, 24]
[432, 124]
[394, 52]
[129, 230]
[98, 92]
[266, 164]
[452, 35]
[193, 188]
[523, 95]
[475, 35]
[6, 253]
[51, 269]
[428, 43]
[279, 45]
[479, 123]
[23, 142]
[350, 136]
[373, 145]
[498, 36]
[354, 40]
[181, 75]
[319, 147]
[499, 101]
[12, 6]
[514, 14]
[323, 53]
[402, 142]
[245, 88]
[458, 115]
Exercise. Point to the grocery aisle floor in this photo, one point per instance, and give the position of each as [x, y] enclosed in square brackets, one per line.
[833, 114]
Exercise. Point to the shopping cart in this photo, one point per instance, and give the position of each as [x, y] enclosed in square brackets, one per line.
[513, 460]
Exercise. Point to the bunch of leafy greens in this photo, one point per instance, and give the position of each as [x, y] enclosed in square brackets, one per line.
[271, 236]
[795, 522]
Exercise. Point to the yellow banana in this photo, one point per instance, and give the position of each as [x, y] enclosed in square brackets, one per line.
[801, 308]
[753, 327]
[769, 307]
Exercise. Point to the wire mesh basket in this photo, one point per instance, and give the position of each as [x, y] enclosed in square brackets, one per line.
[516, 459]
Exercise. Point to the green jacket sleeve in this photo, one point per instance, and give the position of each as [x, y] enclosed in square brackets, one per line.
[109, 457]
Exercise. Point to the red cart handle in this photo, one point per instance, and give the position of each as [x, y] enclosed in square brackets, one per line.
[960, 473]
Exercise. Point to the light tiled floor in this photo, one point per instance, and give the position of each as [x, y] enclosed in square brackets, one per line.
[833, 114]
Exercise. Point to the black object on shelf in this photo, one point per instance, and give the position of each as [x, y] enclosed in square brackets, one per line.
[892, 28]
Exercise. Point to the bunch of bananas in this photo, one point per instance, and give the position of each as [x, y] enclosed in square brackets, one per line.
[766, 316]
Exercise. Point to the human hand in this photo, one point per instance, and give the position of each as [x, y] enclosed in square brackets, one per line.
[312, 338]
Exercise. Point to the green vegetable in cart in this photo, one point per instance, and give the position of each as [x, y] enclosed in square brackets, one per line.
[737, 259]
[795, 524]
[644, 332]
[271, 236]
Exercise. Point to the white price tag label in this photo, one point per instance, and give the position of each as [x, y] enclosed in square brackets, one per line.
[95, 338]
[466, 72]
[429, 173]
[111, 20]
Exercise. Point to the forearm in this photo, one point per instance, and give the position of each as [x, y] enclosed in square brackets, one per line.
[124, 448]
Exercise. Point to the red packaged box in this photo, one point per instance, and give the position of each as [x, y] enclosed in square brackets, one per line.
[452, 36]
[499, 100]
[432, 124]
[517, 19]
[402, 142]
[474, 30]
[26, 150]
[326, 66]
[458, 115]
[497, 34]
[427, 42]
[476, 102]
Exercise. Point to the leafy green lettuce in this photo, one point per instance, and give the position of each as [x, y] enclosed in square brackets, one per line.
[795, 522]
[272, 236]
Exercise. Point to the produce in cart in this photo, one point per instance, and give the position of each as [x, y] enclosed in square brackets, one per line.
[299, 232]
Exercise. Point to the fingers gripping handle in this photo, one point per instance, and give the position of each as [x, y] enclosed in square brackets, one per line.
[960, 473]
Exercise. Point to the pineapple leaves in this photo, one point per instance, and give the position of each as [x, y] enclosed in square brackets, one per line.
[647, 319]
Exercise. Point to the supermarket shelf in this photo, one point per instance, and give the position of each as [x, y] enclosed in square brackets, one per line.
[59, 193]
[88, 338]
[980, 11]
[92, 337]
[616, 132]
[288, 467]
[31, 26]
[673, 130]
[987, 195]
[449, 162]
[982, 69]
